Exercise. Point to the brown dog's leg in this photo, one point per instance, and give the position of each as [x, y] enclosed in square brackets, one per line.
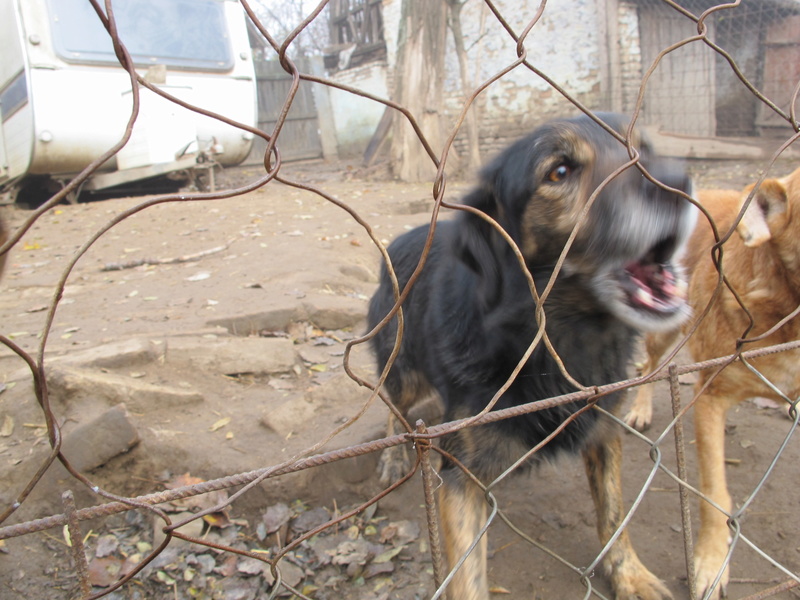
[463, 512]
[713, 538]
[640, 415]
[630, 578]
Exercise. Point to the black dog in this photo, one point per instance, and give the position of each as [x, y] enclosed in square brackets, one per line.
[470, 317]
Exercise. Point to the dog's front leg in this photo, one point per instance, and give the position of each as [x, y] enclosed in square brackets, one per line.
[629, 577]
[713, 538]
[640, 415]
[463, 512]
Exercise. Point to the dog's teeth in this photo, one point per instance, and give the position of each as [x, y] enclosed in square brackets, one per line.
[643, 297]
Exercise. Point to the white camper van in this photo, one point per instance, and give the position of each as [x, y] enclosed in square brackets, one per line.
[65, 100]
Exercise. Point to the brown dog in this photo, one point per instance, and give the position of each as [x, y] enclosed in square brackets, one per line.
[762, 263]
[470, 322]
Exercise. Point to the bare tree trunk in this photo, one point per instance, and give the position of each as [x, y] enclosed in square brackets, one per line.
[419, 86]
[473, 161]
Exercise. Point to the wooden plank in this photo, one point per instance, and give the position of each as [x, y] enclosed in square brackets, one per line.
[680, 95]
[299, 137]
[781, 69]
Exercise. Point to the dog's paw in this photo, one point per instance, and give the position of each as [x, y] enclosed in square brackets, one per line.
[393, 464]
[707, 563]
[633, 581]
[640, 416]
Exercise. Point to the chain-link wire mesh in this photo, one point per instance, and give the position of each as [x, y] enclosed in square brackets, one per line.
[665, 60]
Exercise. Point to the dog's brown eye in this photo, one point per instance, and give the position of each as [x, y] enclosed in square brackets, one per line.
[560, 173]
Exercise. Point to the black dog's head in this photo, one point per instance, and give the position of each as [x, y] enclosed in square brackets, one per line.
[538, 190]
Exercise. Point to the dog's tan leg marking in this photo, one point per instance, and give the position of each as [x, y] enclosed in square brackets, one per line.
[629, 577]
[463, 511]
[713, 538]
[640, 415]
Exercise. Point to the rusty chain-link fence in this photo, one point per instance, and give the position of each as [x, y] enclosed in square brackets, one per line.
[728, 56]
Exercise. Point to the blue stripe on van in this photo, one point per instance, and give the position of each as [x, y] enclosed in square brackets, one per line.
[13, 96]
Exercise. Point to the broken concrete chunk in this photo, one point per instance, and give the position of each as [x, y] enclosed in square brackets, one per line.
[114, 355]
[66, 383]
[93, 444]
[232, 356]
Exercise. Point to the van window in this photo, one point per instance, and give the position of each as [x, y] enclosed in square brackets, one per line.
[187, 34]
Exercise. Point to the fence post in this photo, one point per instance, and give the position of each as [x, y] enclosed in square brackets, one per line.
[76, 543]
[675, 395]
[428, 475]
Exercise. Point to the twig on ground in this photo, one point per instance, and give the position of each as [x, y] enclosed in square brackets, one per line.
[165, 261]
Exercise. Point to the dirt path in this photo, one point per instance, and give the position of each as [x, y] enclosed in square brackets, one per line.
[293, 272]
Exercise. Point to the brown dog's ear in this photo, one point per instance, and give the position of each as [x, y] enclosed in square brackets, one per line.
[758, 223]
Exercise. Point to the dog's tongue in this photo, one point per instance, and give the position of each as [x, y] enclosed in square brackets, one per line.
[655, 286]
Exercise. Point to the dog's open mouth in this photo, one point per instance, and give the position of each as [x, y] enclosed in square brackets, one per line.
[651, 283]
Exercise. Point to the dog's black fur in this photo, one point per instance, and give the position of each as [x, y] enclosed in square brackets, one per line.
[470, 316]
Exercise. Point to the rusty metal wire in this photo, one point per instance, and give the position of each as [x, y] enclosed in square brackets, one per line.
[421, 435]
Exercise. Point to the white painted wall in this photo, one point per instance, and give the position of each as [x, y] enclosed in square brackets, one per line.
[565, 45]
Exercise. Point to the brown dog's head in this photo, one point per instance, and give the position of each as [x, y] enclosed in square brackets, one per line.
[629, 229]
[770, 210]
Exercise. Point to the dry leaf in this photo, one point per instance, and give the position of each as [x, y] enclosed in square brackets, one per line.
[7, 426]
[220, 424]
[497, 589]
[275, 517]
[104, 572]
[183, 481]
[217, 519]
[388, 555]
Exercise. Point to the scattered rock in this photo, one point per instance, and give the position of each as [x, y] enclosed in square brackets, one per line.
[335, 312]
[193, 528]
[290, 416]
[314, 355]
[95, 443]
[290, 573]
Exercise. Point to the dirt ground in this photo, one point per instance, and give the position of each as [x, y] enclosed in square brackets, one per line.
[287, 264]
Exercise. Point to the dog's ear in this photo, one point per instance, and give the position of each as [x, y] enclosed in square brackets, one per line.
[478, 245]
[765, 214]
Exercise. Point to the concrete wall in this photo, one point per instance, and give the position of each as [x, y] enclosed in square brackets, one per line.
[565, 45]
